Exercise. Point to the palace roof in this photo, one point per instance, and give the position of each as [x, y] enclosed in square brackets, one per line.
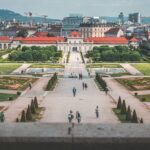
[74, 34]
[5, 39]
[107, 40]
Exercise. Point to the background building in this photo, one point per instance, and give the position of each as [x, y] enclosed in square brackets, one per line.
[71, 23]
[135, 18]
[94, 30]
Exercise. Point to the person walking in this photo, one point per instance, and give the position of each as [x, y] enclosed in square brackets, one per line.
[70, 116]
[74, 91]
[85, 85]
[78, 117]
[97, 112]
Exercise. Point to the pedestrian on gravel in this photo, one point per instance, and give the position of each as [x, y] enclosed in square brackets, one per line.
[85, 85]
[70, 116]
[97, 112]
[74, 91]
[78, 117]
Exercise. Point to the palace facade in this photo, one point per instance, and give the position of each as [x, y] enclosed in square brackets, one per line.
[74, 42]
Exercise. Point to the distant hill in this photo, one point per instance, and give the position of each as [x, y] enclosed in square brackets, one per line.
[10, 15]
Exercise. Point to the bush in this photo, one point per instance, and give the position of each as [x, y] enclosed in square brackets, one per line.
[123, 107]
[128, 114]
[33, 110]
[52, 82]
[134, 117]
[18, 93]
[10, 98]
[143, 99]
[17, 120]
[136, 94]
[23, 117]
[28, 114]
[141, 120]
[119, 103]
[36, 102]
[101, 82]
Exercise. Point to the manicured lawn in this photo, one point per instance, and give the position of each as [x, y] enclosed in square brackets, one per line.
[7, 68]
[5, 97]
[120, 74]
[15, 83]
[144, 98]
[135, 84]
[103, 66]
[143, 68]
[47, 66]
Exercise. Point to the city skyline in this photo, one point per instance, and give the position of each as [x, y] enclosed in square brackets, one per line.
[65, 7]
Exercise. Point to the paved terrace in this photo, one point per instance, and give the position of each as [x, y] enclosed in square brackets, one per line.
[85, 137]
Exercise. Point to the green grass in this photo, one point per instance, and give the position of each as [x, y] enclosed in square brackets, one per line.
[144, 98]
[101, 65]
[7, 68]
[120, 116]
[143, 68]
[47, 66]
[5, 97]
[119, 74]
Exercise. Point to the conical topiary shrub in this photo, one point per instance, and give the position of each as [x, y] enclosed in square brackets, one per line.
[23, 117]
[29, 114]
[123, 107]
[35, 102]
[134, 117]
[141, 120]
[128, 114]
[33, 111]
[119, 103]
[17, 120]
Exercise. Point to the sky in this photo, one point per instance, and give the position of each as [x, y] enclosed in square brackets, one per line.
[60, 8]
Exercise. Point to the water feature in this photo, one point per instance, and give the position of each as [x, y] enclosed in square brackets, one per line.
[108, 71]
[44, 70]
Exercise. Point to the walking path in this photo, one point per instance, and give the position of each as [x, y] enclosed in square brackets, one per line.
[59, 102]
[131, 69]
[23, 101]
[145, 92]
[117, 90]
[21, 68]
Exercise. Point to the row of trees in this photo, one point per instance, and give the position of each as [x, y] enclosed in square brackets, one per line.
[129, 116]
[101, 82]
[52, 82]
[68, 56]
[31, 110]
[117, 53]
[82, 57]
[36, 53]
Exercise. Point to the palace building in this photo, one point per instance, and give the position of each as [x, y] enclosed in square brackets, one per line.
[74, 42]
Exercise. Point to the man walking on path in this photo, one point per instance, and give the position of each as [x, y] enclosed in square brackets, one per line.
[70, 116]
[74, 91]
[97, 112]
[78, 117]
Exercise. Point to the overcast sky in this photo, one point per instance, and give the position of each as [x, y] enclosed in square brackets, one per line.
[60, 8]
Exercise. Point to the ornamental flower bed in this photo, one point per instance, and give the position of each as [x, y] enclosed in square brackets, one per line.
[15, 83]
[136, 84]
